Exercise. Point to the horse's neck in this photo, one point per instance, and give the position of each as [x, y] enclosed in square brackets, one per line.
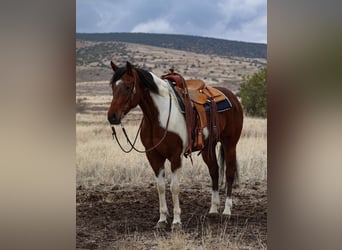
[157, 111]
[160, 111]
[150, 111]
[155, 106]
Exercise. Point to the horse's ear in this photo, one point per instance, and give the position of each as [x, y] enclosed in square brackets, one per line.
[129, 68]
[114, 67]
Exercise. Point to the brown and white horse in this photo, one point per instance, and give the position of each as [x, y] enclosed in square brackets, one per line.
[164, 131]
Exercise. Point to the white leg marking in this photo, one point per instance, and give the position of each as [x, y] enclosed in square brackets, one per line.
[175, 192]
[215, 202]
[161, 192]
[228, 206]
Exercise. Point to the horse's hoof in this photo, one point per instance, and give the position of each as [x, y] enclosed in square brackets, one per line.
[213, 215]
[161, 225]
[176, 226]
[226, 216]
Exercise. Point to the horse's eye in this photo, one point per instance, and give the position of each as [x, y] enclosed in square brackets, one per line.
[128, 88]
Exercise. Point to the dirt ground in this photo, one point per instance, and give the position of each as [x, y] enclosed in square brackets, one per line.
[109, 217]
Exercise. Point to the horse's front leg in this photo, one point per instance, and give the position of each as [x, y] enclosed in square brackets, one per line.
[163, 210]
[157, 162]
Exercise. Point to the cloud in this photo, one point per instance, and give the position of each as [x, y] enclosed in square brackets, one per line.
[154, 26]
[243, 20]
[253, 30]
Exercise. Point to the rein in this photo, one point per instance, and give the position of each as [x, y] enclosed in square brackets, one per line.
[136, 136]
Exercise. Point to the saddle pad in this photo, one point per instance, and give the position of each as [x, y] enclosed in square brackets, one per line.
[221, 106]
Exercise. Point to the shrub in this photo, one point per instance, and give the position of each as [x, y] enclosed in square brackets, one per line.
[253, 94]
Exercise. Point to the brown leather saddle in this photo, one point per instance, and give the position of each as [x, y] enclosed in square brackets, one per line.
[195, 94]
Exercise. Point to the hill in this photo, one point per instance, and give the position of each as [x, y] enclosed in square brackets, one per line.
[203, 45]
[93, 62]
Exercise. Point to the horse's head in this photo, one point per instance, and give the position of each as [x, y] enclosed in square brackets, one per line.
[126, 92]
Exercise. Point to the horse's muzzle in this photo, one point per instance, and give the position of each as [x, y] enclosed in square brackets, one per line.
[113, 120]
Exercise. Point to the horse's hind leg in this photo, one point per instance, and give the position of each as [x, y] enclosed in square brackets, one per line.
[231, 173]
[210, 159]
[174, 185]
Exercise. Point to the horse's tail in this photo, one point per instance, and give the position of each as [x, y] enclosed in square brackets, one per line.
[222, 170]
[237, 174]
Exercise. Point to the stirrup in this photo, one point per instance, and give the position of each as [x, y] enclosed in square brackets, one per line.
[188, 153]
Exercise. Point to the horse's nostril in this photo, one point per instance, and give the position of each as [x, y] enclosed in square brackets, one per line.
[113, 120]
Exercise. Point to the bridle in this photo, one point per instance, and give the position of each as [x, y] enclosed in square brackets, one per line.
[128, 102]
[129, 98]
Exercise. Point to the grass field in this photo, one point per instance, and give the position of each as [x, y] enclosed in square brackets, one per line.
[101, 161]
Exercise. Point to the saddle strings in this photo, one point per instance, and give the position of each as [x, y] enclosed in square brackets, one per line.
[129, 99]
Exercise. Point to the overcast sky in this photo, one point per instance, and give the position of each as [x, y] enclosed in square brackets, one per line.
[241, 20]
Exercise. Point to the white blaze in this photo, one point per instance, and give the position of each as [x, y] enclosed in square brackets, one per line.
[118, 82]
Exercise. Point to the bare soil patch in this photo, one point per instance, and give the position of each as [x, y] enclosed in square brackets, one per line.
[108, 216]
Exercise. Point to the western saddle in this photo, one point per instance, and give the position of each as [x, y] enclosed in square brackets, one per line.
[195, 94]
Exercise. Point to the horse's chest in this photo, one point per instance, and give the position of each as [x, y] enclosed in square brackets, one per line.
[176, 126]
[171, 119]
[167, 141]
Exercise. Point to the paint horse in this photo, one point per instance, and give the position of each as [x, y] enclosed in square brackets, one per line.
[164, 134]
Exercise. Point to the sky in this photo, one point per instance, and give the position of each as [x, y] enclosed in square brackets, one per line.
[240, 20]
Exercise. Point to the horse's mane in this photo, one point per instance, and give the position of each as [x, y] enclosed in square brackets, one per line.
[146, 78]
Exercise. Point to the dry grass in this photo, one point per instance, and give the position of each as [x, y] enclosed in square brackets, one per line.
[181, 240]
[99, 159]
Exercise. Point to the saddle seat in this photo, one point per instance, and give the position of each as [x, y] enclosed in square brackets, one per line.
[200, 93]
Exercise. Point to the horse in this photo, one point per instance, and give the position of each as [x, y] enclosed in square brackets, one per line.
[164, 135]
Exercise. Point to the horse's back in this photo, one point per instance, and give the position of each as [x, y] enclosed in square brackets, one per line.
[234, 116]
